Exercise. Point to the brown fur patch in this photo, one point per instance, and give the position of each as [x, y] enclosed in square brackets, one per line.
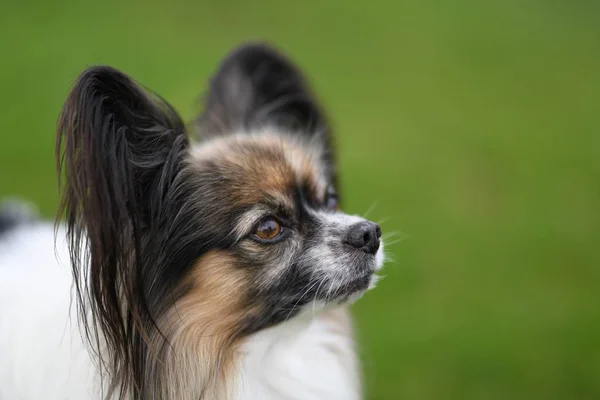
[259, 166]
[201, 331]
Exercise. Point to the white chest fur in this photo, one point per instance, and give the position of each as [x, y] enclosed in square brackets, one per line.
[306, 358]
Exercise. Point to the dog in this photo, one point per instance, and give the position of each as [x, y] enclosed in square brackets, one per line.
[218, 268]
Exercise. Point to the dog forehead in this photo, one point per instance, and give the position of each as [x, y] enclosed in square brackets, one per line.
[255, 166]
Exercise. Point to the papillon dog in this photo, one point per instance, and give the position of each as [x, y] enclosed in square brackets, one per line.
[215, 268]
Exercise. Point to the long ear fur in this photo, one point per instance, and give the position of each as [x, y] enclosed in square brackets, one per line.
[120, 149]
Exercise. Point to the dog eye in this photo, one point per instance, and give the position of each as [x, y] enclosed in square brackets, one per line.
[331, 202]
[268, 229]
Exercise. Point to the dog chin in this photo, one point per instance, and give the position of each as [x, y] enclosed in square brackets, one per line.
[353, 288]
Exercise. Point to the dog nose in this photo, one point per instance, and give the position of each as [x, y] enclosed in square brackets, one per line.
[364, 236]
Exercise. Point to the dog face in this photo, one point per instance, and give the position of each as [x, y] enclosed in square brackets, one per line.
[173, 241]
[267, 198]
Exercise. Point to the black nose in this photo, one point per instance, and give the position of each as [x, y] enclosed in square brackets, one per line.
[365, 236]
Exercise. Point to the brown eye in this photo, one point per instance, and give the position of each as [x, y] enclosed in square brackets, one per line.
[268, 229]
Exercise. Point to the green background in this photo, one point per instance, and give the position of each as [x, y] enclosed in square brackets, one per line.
[469, 127]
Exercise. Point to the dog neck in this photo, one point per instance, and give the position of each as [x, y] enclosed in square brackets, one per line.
[308, 357]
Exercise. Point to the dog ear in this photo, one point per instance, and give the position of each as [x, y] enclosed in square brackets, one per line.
[119, 148]
[256, 86]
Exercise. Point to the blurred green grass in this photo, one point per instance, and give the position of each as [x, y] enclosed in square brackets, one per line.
[472, 126]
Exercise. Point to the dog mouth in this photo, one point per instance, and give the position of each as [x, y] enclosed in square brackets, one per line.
[354, 286]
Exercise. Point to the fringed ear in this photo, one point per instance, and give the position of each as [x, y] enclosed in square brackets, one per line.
[256, 86]
[119, 148]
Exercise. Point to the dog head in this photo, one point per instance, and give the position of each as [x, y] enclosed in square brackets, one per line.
[228, 235]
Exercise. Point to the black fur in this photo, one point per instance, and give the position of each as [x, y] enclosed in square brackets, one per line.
[121, 149]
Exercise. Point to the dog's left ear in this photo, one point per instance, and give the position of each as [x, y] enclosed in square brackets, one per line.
[255, 87]
[258, 87]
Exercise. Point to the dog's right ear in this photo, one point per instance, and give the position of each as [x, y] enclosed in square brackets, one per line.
[120, 149]
[119, 146]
